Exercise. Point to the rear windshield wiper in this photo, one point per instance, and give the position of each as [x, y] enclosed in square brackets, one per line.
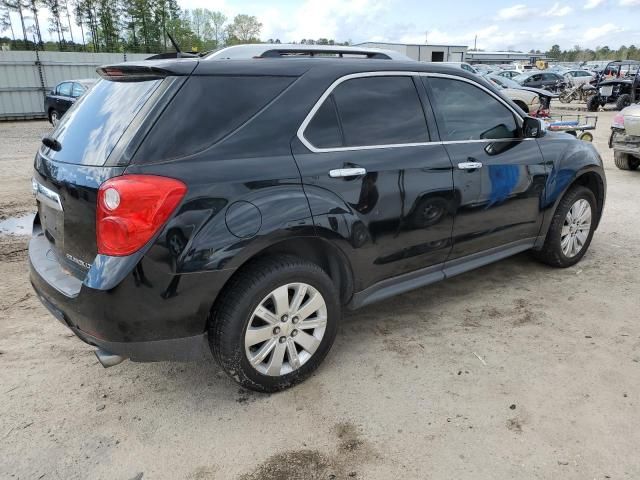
[52, 143]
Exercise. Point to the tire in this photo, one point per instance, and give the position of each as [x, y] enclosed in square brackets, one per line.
[593, 103]
[258, 285]
[565, 97]
[624, 161]
[54, 117]
[552, 252]
[623, 101]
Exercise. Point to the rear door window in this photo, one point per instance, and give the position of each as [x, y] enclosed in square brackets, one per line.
[380, 111]
[466, 112]
[324, 129]
[77, 90]
[92, 127]
[205, 110]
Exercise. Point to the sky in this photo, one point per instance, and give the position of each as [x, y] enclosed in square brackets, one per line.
[498, 25]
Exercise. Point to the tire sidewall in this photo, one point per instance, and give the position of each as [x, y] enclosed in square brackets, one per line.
[230, 351]
[580, 193]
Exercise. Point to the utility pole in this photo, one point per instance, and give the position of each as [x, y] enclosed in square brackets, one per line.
[475, 43]
[426, 37]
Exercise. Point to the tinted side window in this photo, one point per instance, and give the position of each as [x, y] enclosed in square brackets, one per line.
[324, 130]
[64, 89]
[206, 109]
[380, 111]
[466, 112]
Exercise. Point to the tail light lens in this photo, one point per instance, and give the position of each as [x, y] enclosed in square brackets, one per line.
[131, 209]
[618, 121]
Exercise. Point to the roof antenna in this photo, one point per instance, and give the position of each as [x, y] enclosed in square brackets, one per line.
[175, 45]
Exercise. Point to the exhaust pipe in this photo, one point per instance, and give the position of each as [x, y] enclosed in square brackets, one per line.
[108, 359]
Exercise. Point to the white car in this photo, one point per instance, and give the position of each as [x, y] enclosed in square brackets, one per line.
[625, 138]
[462, 65]
[579, 77]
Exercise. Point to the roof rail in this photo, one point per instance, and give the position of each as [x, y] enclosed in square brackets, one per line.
[314, 52]
[277, 50]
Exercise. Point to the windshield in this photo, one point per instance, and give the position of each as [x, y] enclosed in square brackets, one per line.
[521, 78]
[92, 127]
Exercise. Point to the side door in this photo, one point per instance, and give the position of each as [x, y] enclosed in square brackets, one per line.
[374, 178]
[499, 174]
[534, 81]
[76, 91]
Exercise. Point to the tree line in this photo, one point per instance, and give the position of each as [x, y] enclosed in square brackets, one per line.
[578, 54]
[124, 26]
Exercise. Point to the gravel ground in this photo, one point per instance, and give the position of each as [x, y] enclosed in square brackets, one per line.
[515, 370]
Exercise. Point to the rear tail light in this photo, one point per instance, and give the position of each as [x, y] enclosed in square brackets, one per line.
[131, 210]
[618, 121]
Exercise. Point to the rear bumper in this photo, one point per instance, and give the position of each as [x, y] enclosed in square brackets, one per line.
[621, 142]
[148, 316]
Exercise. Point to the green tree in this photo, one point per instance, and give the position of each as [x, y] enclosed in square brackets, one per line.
[244, 29]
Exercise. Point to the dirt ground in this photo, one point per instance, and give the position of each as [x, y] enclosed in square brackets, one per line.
[514, 371]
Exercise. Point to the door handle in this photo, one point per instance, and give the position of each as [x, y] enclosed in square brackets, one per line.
[347, 172]
[469, 165]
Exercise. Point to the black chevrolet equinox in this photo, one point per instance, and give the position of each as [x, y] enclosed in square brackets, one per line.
[198, 207]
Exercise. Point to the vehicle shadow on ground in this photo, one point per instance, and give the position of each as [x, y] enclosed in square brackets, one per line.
[430, 303]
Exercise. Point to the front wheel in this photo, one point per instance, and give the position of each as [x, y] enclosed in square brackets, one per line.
[571, 229]
[623, 101]
[275, 323]
[593, 103]
[565, 97]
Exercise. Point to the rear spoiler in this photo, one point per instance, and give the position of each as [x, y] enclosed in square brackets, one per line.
[147, 70]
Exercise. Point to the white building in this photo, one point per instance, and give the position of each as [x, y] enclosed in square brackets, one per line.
[424, 53]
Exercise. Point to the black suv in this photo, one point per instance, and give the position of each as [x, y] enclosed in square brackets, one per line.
[237, 207]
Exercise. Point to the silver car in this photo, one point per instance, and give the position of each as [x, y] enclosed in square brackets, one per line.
[625, 138]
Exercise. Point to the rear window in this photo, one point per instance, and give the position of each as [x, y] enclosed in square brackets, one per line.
[206, 109]
[92, 127]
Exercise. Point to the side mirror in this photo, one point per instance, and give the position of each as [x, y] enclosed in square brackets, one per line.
[533, 127]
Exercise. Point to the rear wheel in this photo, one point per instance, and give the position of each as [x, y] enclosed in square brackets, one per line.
[275, 324]
[593, 103]
[624, 161]
[54, 117]
[571, 229]
[623, 101]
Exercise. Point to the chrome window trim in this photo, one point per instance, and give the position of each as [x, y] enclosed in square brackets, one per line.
[396, 73]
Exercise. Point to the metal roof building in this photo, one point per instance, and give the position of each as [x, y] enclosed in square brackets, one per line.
[504, 57]
[424, 53]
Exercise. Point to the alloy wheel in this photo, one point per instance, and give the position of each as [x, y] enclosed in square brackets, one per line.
[576, 228]
[285, 329]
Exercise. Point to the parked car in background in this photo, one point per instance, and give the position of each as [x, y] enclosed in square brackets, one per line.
[625, 138]
[300, 188]
[462, 65]
[579, 77]
[545, 96]
[619, 84]
[528, 101]
[65, 94]
[508, 73]
[536, 79]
